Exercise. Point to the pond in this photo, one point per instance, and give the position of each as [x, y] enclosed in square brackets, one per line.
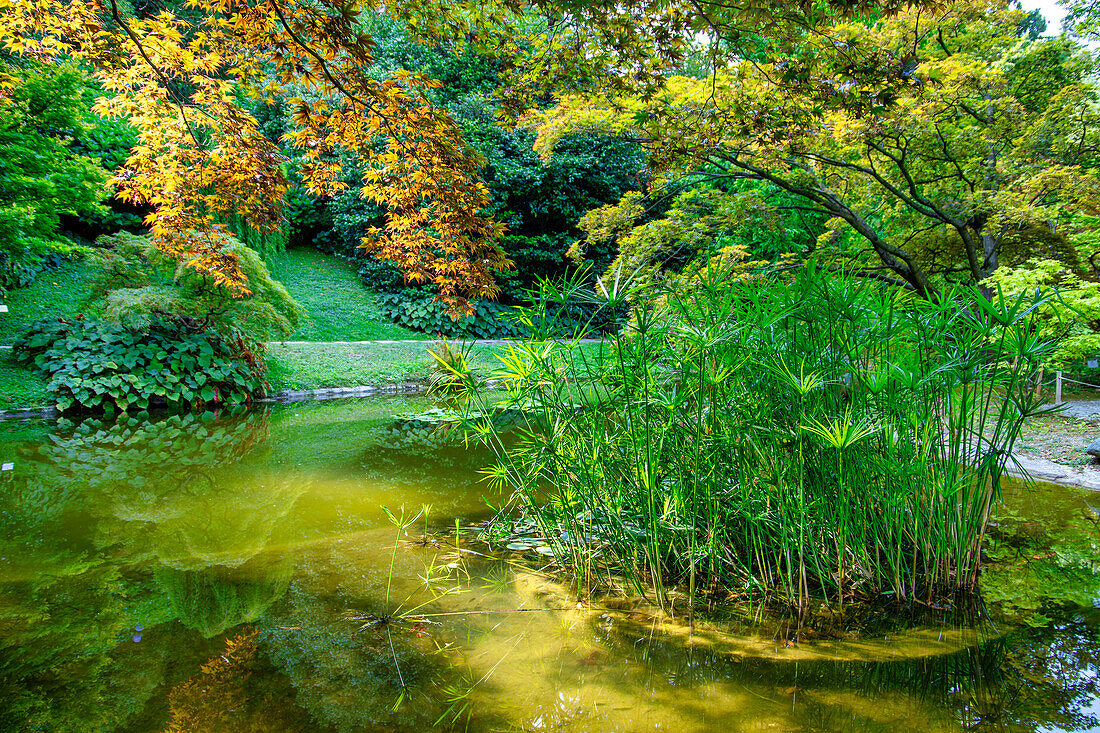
[239, 573]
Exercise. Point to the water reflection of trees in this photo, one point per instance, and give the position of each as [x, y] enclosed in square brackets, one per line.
[131, 541]
[172, 525]
[218, 598]
[1031, 679]
[85, 638]
[351, 681]
[423, 453]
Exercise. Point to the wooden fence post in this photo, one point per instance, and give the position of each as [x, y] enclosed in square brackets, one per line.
[1057, 388]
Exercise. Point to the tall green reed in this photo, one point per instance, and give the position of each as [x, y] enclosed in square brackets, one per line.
[798, 435]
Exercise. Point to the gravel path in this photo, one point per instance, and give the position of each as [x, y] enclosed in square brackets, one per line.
[1078, 408]
[1041, 469]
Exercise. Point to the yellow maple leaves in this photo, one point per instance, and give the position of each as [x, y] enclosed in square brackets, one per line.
[201, 155]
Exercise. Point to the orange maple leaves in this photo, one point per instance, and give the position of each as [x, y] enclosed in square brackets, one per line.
[201, 155]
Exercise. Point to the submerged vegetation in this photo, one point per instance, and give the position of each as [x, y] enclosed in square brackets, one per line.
[804, 436]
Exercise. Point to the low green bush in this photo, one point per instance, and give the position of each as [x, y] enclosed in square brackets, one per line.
[136, 284]
[429, 315]
[492, 320]
[93, 364]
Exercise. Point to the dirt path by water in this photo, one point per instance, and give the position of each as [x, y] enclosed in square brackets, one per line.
[1052, 447]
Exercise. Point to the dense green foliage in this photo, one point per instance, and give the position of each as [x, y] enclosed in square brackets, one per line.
[135, 284]
[426, 314]
[539, 201]
[92, 364]
[41, 176]
[492, 320]
[801, 436]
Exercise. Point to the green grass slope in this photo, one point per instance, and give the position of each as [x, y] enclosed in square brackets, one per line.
[55, 293]
[317, 366]
[20, 387]
[339, 307]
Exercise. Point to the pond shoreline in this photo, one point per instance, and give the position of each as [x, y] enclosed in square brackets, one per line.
[1029, 466]
[282, 396]
[1042, 469]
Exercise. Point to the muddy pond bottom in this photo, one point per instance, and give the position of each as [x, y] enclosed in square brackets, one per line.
[244, 573]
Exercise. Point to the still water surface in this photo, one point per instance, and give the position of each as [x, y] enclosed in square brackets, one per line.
[200, 574]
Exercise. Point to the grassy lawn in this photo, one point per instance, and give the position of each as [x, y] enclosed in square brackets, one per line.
[316, 366]
[340, 308]
[19, 387]
[60, 293]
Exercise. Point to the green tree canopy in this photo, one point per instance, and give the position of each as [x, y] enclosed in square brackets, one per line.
[930, 140]
[42, 112]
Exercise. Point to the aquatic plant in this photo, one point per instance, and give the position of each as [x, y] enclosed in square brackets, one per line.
[792, 435]
[453, 371]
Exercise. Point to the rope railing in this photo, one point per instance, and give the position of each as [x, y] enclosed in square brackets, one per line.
[1059, 380]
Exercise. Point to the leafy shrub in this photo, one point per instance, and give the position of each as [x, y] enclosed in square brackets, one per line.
[136, 284]
[41, 178]
[492, 320]
[427, 314]
[1070, 318]
[93, 364]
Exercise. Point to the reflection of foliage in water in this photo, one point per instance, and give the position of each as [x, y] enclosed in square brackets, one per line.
[217, 598]
[214, 699]
[1045, 557]
[67, 661]
[424, 456]
[349, 680]
[227, 696]
[171, 486]
[105, 452]
[76, 517]
[76, 533]
[1029, 680]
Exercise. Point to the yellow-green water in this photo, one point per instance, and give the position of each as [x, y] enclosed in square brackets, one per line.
[199, 574]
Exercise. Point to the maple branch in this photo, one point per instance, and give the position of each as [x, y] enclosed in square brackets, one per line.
[895, 258]
[168, 85]
[913, 190]
[881, 277]
[943, 45]
[322, 64]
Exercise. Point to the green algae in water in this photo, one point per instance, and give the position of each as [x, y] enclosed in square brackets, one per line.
[136, 552]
